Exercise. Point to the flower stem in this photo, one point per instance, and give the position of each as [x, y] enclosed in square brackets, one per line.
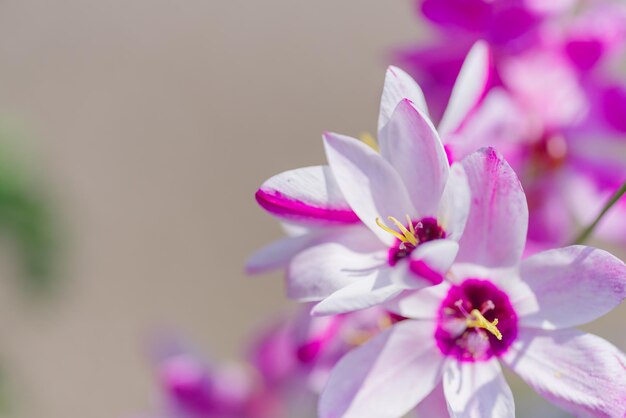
[586, 233]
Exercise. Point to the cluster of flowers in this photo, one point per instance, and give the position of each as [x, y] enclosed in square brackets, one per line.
[422, 260]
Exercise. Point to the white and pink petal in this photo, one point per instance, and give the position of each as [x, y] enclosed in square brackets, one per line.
[430, 262]
[398, 86]
[580, 373]
[495, 232]
[470, 88]
[387, 376]
[338, 260]
[570, 286]
[454, 206]
[420, 304]
[309, 195]
[477, 389]
[277, 254]
[372, 287]
[371, 186]
[410, 143]
[434, 405]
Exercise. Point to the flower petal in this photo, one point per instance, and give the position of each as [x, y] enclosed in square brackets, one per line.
[430, 262]
[454, 206]
[278, 253]
[308, 194]
[411, 144]
[470, 88]
[476, 390]
[571, 286]
[387, 376]
[372, 187]
[579, 372]
[420, 304]
[340, 259]
[398, 86]
[434, 405]
[373, 289]
[495, 232]
[498, 121]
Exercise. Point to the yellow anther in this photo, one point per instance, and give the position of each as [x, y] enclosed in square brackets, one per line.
[368, 139]
[408, 235]
[391, 231]
[409, 222]
[477, 320]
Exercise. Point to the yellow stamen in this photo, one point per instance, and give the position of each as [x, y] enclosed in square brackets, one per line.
[391, 231]
[407, 234]
[410, 224]
[384, 322]
[358, 337]
[368, 139]
[477, 320]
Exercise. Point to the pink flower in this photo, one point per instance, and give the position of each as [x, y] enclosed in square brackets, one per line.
[489, 311]
[552, 108]
[194, 388]
[310, 346]
[294, 357]
[380, 218]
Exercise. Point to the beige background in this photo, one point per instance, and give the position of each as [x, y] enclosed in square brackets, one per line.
[153, 122]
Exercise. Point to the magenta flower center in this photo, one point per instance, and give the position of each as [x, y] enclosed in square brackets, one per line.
[411, 236]
[476, 321]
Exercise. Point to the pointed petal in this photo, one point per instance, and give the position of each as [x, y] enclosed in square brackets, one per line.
[306, 195]
[364, 292]
[454, 206]
[387, 376]
[495, 232]
[498, 121]
[475, 390]
[398, 86]
[278, 253]
[579, 372]
[570, 286]
[420, 304]
[470, 88]
[340, 259]
[411, 144]
[372, 187]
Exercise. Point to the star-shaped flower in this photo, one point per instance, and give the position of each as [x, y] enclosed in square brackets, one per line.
[382, 217]
[446, 355]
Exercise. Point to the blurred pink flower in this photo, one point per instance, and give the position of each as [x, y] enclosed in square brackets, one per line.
[194, 388]
[445, 357]
[295, 356]
[552, 108]
[287, 367]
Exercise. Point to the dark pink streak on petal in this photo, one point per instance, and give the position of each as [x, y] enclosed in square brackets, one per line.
[449, 153]
[280, 205]
[423, 270]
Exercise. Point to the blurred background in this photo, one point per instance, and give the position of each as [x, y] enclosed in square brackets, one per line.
[148, 125]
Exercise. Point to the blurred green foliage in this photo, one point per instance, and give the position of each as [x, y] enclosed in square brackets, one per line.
[26, 219]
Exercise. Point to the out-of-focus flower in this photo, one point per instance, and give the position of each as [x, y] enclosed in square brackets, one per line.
[294, 357]
[194, 388]
[445, 357]
[553, 108]
[287, 367]
[344, 252]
